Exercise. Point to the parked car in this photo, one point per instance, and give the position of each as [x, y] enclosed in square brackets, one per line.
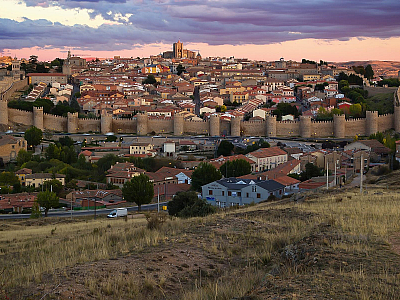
[119, 212]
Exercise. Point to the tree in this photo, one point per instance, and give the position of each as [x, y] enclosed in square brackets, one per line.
[225, 148]
[369, 72]
[47, 200]
[355, 110]
[105, 163]
[66, 141]
[180, 201]
[188, 204]
[150, 80]
[23, 157]
[33, 136]
[310, 171]
[180, 69]
[53, 185]
[235, 168]
[139, 190]
[8, 178]
[204, 174]
[111, 138]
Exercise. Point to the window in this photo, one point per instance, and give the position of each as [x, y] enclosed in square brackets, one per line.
[210, 192]
[258, 195]
[247, 195]
[223, 193]
[239, 194]
[229, 193]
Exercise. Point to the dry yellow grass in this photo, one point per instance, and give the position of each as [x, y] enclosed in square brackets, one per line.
[246, 244]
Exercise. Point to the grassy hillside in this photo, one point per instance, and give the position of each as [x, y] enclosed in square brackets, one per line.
[383, 103]
[337, 245]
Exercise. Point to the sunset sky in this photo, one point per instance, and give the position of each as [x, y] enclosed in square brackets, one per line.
[339, 30]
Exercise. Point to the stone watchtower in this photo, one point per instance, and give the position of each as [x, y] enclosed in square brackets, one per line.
[305, 126]
[72, 122]
[371, 122]
[178, 125]
[142, 126]
[3, 112]
[105, 122]
[271, 126]
[339, 126]
[38, 117]
[235, 126]
[214, 125]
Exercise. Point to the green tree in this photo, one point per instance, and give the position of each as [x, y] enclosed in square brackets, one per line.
[47, 200]
[225, 148]
[235, 168]
[36, 214]
[33, 136]
[53, 185]
[204, 174]
[188, 204]
[310, 171]
[8, 178]
[180, 69]
[23, 157]
[138, 190]
[66, 141]
[105, 163]
[369, 72]
[150, 80]
[111, 138]
[355, 110]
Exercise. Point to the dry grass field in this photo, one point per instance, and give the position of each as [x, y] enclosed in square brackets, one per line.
[336, 245]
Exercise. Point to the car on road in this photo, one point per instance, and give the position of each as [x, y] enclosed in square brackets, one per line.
[119, 212]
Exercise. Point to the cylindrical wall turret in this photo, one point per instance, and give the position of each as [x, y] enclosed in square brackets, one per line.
[396, 118]
[214, 125]
[271, 126]
[339, 126]
[235, 126]
[105, 123]
[38, 117]
[141, 124]
[305, 126]
[72, 122]
[3, 113]
[371, 122]
[178, 125]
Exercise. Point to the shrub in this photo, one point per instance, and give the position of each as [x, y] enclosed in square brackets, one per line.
[155, 220]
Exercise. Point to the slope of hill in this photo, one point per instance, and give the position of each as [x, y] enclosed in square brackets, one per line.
[336, 245]
[381, 68]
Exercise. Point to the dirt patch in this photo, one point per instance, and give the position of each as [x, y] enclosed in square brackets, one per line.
[332, 265]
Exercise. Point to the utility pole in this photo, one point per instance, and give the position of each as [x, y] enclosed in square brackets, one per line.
[335, 174]
[327, 174]
[361, 173]
[158, 198]
[95, 202]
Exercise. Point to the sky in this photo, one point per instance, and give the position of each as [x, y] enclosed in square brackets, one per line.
[331, 30]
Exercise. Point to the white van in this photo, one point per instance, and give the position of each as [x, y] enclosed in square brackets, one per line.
[119, 212]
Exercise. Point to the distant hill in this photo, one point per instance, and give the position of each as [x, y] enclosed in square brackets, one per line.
[381, 68]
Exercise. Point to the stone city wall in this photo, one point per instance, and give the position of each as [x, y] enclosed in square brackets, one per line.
[160, 125]
[54, 123]
[17, 116]
[287, 128]
[142, 125]
[88, 124]
[253, 128]
[14, 86]
[123, 125]
[196, 127]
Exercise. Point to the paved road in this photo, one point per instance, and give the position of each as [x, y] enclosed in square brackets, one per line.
[81, 213]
